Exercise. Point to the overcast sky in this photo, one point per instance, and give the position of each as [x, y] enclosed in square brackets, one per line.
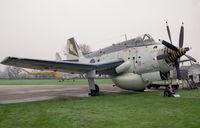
[39, 28]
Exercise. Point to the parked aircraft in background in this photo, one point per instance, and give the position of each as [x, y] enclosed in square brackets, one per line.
[132, 64]
[48, 72]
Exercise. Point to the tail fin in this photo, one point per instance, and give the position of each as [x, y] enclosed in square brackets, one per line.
[73, 52]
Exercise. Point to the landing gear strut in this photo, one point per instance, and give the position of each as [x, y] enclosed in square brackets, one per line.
[94, 89]
[169, 91]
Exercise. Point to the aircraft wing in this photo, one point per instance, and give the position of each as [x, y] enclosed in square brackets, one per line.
[63, 66]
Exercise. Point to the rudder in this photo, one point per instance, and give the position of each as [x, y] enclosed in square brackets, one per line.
[73, 51]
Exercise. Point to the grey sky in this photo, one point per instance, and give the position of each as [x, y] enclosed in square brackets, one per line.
[39, 28]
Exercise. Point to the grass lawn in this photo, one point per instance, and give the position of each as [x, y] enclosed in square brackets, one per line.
[53, 82]
[140, 110]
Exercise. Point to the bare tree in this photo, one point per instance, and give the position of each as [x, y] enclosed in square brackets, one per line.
[3, 75]
[13, 72]
[85, 48]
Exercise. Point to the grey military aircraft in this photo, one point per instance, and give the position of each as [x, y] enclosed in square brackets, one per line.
[132, 64]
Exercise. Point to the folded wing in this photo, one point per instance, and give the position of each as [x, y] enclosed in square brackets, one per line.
[64, 66]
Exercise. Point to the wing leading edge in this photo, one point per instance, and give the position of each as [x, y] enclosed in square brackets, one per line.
[63, 66]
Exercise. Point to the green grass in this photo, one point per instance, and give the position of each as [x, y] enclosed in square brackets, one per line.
[53, 82]
[139, 110]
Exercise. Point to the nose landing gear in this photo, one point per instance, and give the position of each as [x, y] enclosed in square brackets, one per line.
[169, 91]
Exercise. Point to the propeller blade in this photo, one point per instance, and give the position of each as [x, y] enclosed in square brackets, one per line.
[181, 61]
[168, 31]
[191, 58]
[178, 70]
[171, 46]
[181, 36]
[163, 56]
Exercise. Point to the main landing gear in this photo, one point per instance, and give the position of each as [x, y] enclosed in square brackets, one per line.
[94, 88]
[94, 92]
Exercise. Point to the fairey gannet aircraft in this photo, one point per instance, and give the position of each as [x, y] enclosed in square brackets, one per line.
[131, 64]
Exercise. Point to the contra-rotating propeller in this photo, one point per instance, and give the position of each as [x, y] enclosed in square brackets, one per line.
[174, 53]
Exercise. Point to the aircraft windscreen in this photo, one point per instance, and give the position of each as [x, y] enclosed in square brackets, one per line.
[144, 38]
[147, 37]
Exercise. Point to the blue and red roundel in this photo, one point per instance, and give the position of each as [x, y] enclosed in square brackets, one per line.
[92, 61]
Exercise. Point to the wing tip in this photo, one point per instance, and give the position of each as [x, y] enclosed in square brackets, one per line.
[5, 60]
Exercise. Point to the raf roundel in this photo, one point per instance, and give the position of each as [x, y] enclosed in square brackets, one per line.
[92, 61]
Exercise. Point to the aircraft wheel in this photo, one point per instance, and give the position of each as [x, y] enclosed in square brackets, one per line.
[94, 92]
[167, 93]
[96, 88]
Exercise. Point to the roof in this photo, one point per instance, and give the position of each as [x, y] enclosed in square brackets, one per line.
[195, 68]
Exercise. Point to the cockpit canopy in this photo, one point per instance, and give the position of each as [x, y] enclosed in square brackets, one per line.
[145, 37]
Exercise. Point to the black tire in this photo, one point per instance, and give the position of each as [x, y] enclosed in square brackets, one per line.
[92, 93]
[167, 93]
[96, 88]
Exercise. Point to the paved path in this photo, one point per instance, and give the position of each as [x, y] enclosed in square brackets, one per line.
[28, 93]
